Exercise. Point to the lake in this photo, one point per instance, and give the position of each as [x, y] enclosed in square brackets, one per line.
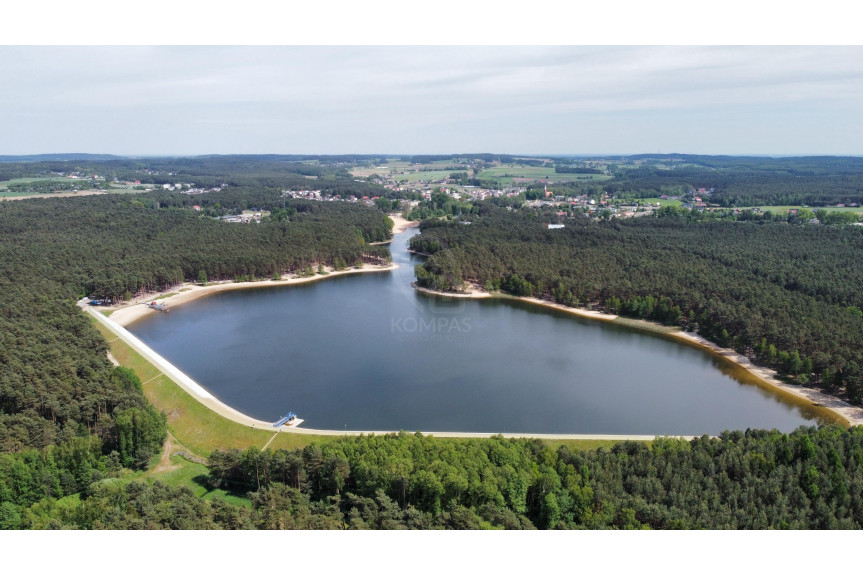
[369, 352]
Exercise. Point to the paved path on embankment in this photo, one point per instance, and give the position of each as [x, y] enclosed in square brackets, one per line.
[207, 399]
[184, 381]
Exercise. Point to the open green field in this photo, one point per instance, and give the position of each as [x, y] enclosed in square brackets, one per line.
[514, 170]
[5, 193]
[193, 475]
[71, 194]
[418, 176]
[406, 171]
[449, 165]
[436, 165]
[179, 472]
[366, 172]
[506, 173]
[5, 185]
[399, 165]
[584, 444]
[63, 194]
[661, 202]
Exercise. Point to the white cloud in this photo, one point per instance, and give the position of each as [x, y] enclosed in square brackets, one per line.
[419, 98]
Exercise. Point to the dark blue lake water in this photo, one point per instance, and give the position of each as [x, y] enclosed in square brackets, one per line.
[369, 352]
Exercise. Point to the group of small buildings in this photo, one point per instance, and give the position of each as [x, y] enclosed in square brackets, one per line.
[247, 217]
[319, 196]
[305, 195]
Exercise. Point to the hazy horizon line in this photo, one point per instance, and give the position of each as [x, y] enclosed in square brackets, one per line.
[397, 154]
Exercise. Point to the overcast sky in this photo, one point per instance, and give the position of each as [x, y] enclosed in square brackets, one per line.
[333, 100]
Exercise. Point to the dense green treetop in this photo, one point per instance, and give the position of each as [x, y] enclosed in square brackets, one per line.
[809, 479]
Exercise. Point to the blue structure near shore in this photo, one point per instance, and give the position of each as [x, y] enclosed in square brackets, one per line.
[286, 419]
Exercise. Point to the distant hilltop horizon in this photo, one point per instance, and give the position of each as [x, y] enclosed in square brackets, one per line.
[81, 156]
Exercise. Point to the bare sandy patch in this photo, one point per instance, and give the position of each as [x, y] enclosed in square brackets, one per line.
[401, 224]
[113, 359]
[472, 292]
[165, 464]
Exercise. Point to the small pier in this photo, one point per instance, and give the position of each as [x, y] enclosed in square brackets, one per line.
[289, 420]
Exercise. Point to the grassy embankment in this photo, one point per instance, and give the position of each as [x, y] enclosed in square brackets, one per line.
[5, 193]
[202, 431]
[190, 422]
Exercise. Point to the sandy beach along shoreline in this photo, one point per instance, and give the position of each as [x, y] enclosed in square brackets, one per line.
[474, 293]
[852, 415]
[125, 313]
[400, 224]
[843, 412]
